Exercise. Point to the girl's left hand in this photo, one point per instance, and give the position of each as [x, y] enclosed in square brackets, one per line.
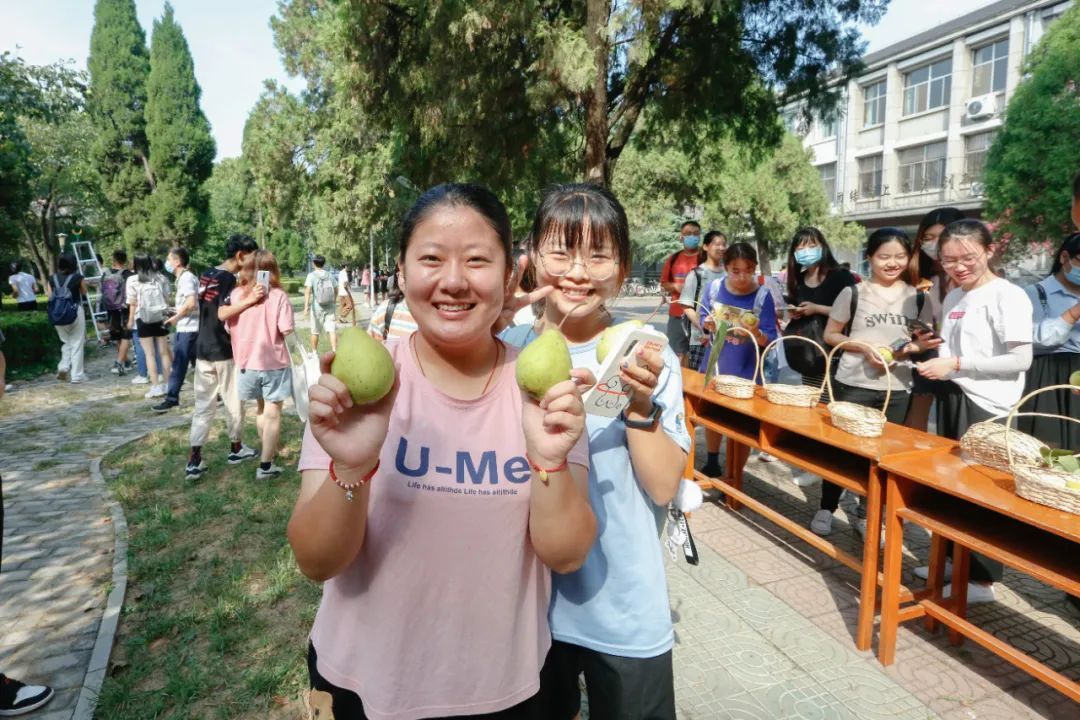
[937, 368]
[642, 380]
[554, 425]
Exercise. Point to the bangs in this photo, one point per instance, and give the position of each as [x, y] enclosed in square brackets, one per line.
[571, 224]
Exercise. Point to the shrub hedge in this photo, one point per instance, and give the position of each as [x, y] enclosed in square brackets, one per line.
[31, 345]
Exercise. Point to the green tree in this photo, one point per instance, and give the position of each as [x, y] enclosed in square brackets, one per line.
[16, 94]
[231, 208]
[499, 90]
[1028, 172]
[119, 66]
[181, 146]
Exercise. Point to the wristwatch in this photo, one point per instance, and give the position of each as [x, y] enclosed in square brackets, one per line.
[646, 424]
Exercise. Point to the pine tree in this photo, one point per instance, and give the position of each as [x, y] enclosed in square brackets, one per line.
[181, 146]
[119, 66]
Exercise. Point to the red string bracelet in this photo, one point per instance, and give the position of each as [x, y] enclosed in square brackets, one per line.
[352, 486]
[544, 472]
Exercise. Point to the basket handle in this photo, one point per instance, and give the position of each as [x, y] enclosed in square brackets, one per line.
[782, 338]
[1014, 413]
[757, 350]
[829, 364]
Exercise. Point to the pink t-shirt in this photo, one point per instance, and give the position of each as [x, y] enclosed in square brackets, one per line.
[444, 611]
[258, 333]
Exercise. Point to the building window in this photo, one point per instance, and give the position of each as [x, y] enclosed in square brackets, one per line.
[870, 176]
[828, 181]
[874, 104]
[827, 127]
[975, 149]
[990, 66]
[922, 168]
[928, 87]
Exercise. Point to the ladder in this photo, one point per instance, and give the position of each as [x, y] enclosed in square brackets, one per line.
[89, 267]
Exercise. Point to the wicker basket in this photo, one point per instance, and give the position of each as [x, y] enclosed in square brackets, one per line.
[734, 386]
[1035, 481]
[984, 444]
[795, 395]
[850, 417]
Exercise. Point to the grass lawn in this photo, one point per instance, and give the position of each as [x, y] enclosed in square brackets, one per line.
[216, 617]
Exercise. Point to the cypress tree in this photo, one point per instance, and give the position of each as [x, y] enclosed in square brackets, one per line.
[119, 65]
[181, 146]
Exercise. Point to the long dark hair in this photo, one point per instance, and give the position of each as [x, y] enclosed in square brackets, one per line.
[928, 266]
[574, 211]
[892, 234]
[1070, 245]
[144, 266]
[825, 265]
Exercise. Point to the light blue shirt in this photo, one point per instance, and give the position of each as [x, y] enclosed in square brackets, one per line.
[1052, 334]
[617, 602]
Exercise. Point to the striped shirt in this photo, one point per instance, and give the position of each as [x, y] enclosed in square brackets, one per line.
[401, 322]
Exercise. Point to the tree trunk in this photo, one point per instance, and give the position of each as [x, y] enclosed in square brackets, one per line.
[596, 99]
[764, 267]
[146, 168]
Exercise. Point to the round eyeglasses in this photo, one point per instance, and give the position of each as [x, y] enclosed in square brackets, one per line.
[559, 263]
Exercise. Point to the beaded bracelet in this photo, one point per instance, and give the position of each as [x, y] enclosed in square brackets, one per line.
[544, 472]
[352, 486]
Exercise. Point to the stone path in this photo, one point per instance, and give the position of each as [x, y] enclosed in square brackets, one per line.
[764, 625]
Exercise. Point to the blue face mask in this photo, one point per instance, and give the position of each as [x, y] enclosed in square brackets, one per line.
[1073, 275]
[169, 267]
[807, 256]
[692, 241]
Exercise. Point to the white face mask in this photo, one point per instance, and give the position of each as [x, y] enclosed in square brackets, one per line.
[931, 249]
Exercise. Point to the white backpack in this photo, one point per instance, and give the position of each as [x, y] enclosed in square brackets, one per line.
[325, 294]
[152, 305]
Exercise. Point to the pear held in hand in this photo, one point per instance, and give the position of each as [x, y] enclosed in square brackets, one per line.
[543, 364]
[612, 337]
[886, 354]
[1074, 379]
[364, 365]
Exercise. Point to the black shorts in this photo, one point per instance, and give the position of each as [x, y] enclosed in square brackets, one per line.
[118, 329]
[619, 688]
[151, 330]
[677, 335]
[348, 706]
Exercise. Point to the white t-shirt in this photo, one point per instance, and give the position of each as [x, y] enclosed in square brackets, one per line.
[343, 282]
[24, 286]
[312, 281]
[980, 324]
[187, 285]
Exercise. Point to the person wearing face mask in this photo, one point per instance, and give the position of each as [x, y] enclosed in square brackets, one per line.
[1056, 304]
[935, 282]
[185, 319]
[672, 280]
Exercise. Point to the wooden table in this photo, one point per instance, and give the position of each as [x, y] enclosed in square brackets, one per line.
[977, 508]
[806, 438]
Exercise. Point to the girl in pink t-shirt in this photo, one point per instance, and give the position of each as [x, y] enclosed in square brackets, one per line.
[434, 515]
[259, 317]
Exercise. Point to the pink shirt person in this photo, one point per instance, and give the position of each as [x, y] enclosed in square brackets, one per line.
[258, 333]
[446, 570]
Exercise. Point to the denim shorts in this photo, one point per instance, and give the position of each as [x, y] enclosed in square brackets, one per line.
[269, 385]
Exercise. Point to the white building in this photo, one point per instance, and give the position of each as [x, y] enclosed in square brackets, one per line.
[915, 126]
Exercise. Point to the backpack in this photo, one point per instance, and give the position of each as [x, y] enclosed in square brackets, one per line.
[152, 305]
[112, 291]
[325, 294]
[61, 308]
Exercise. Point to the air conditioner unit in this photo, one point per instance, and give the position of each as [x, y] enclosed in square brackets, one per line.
[982, 107]
[978, 189]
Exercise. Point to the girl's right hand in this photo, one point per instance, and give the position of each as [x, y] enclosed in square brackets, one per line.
[352, 435]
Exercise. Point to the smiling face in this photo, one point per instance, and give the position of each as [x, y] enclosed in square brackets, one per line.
[889, 262]
[965, 259]
[455, 276]
[584, 278]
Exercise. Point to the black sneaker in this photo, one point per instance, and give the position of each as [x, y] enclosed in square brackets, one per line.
[244, 453]
[712, 470]
[194, 472]
[165, 406]
[18, 698]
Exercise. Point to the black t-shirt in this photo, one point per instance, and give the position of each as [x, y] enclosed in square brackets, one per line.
[213, 343]
[73, 283]
[803, 358]
[826, 291]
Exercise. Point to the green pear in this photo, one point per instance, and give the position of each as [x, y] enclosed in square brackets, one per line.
[364, 365]
[1074, 379]
[544, 363]
[612, 337]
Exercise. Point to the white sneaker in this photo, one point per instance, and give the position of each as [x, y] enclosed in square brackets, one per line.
[976, 593]
[923, 571]
[860, 527]
[140, 380]
[77, 380]
[272, 471]
[822, 523]
[805, 479]
[155, 391]
[766, 457]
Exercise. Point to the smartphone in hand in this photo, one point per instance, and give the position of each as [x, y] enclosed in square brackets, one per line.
[262, 277]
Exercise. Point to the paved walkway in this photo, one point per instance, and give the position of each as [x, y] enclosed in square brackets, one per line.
[764, 625]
